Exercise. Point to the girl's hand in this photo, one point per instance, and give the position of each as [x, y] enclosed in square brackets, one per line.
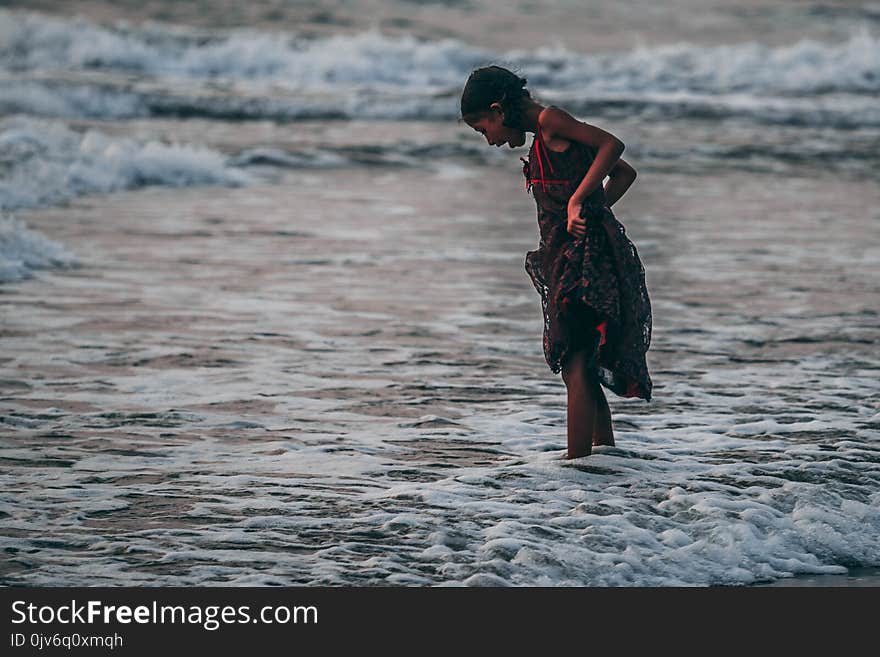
[577, 226]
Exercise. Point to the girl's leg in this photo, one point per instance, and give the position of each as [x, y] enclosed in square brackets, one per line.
[602, 432]
[581, 405]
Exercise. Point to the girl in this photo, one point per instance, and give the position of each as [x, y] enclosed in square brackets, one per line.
[597, 314]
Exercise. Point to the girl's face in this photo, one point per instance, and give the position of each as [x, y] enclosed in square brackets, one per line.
[490, 125]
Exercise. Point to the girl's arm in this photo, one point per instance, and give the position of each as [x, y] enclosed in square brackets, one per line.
[556, 122]
[621, 177]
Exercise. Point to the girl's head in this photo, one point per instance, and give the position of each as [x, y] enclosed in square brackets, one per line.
[493, 103]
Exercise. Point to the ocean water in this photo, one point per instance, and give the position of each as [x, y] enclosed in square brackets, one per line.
[264, 318]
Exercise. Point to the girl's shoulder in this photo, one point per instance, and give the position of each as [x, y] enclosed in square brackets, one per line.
[551, 114]
[548, 119]
[555, 123]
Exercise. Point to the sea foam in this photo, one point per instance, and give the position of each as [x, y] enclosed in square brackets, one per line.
[45, 163]
[36, 42]
[23, 250]
[55, 66]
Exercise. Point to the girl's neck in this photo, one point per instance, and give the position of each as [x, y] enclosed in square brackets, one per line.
[531, 111]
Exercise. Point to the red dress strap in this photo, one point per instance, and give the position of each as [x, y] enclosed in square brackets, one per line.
[539, 145]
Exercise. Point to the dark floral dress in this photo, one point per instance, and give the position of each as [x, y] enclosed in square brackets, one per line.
[592, 289]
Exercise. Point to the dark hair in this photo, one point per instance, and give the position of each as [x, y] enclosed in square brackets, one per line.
[494, 84]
